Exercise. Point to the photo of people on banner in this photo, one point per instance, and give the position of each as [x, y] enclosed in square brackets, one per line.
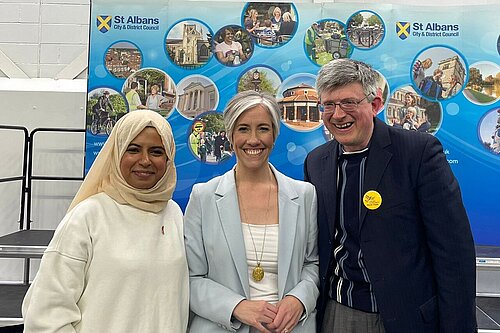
[233, 45]
[151, 89]
[104, 107]
[271, 24]
[326, 40]
[207, 139]
[408, 110]
[439, 72]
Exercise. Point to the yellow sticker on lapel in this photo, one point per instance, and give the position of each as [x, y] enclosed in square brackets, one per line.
[372, 200]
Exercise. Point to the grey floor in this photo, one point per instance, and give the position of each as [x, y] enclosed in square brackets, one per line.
[488, 313]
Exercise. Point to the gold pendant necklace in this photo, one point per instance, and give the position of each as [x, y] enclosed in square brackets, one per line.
[258, 271]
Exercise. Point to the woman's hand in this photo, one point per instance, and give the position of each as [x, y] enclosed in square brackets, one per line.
[290, 310]
[255, 314]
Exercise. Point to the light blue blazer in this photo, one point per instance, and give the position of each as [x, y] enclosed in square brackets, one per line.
[216, 252]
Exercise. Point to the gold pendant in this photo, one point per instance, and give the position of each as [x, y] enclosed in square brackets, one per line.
[258, 273]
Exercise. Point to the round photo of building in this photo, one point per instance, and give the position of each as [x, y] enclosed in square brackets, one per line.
[207, 139]
[326, 40]
[196, 94]
[151, 89]
[104, 107]
[489, 131]
[408, 110]
[365, 29]
[439, 72]
[233, 45]
[483, 86]
[298, 101]
[188, 44]
[123, 59]
[260, 78]
[270, 24]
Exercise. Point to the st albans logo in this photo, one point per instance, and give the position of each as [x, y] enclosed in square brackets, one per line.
[403, 29]
[429, 29]
[105, 23]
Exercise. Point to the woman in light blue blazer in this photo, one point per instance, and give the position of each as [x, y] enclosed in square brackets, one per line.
[251, 235]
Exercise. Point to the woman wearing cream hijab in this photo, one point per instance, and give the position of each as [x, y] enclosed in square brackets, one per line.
[117, 261]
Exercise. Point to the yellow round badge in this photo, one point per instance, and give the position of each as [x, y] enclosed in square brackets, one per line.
[372, 200]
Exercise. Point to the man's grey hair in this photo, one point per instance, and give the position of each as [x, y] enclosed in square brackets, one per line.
[342, 72]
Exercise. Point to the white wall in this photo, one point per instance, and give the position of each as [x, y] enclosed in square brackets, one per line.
[43, 63]
[39, 103]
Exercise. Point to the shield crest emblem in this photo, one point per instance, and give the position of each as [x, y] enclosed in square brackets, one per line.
[403, 30]
[103, 22]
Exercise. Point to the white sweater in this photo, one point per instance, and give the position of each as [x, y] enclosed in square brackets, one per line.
[110, 268]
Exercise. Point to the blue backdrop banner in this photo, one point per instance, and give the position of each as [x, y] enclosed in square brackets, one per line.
[439, 73]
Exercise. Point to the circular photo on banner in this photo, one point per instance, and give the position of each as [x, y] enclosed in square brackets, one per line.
[207, 139]
[382, 90]
[498, 44]
[123, 59]
[408, 110]
[270, 24]
[197, 94]
[439, 72]
[483, 86]
[326, 40]
[233, 45]
[260, 78]
[188, 44]
[151, 89]
[489, 131]
[298, 101]
[104, 107]
[365, 29]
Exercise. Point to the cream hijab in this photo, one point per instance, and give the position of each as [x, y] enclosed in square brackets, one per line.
[105, 175]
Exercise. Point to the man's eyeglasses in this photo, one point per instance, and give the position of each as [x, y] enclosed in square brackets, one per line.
[348, 105]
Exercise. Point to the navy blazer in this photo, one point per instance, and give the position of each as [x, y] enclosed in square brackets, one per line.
[417, 246]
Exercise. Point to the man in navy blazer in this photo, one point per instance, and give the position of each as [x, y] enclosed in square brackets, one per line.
[396, 251]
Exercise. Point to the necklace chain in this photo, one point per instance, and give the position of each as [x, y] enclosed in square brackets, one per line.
[258, 271]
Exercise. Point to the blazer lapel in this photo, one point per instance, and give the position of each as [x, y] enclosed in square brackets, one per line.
[288, 214]
[378, 159]
[329, 175]
[229, 214]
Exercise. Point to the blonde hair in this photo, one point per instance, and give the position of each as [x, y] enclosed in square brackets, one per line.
[287, 17]
[251, 12]
[156, 87]
[427, 63]
[412, 110]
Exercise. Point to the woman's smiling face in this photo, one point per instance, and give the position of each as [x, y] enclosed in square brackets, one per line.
[145, 160]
